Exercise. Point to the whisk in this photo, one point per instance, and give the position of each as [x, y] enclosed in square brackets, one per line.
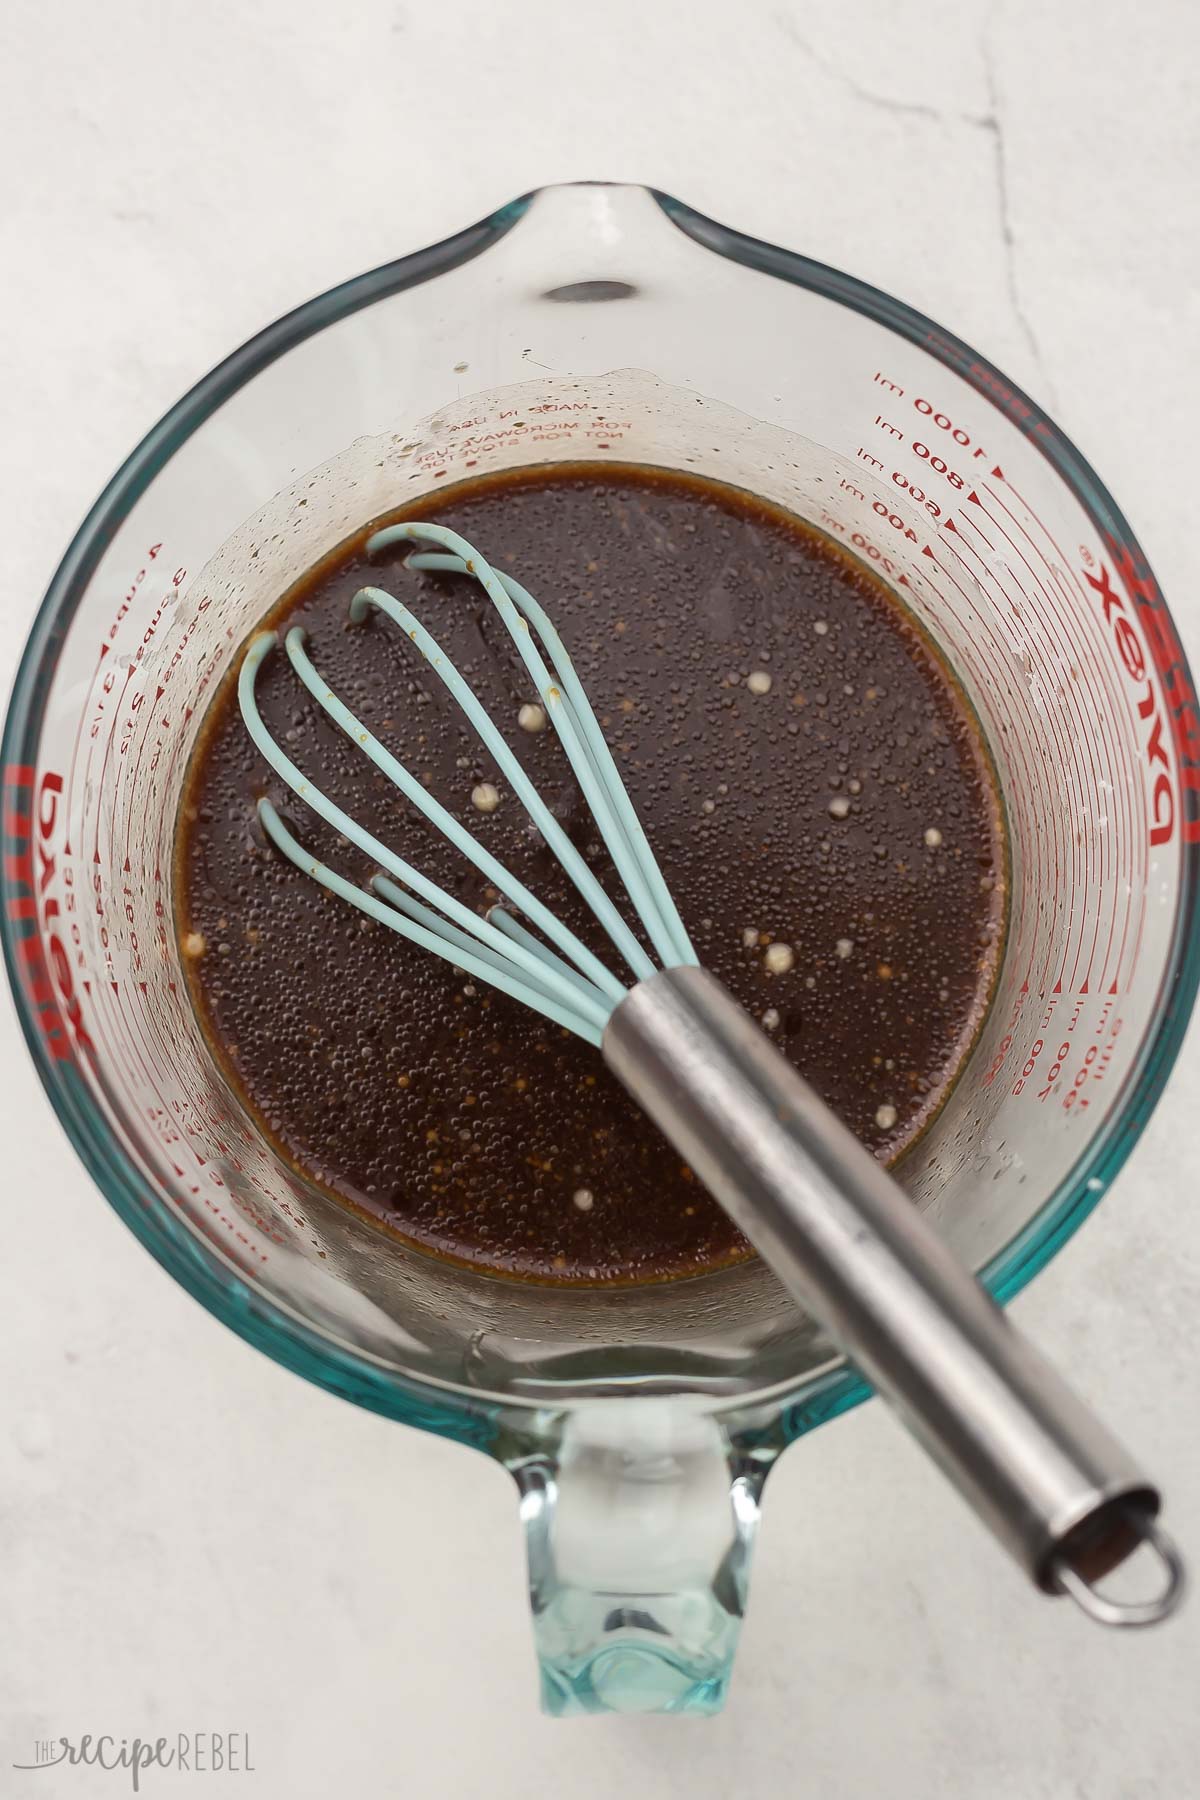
[1058, 1491]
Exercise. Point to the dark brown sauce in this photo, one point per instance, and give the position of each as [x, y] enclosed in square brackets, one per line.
[849, 812]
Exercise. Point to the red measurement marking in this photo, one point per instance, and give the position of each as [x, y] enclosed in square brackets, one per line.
[108, 744]
[1029, 786]
[958, 543]
[1082, 735]
[1096, 652]
[87, 703]
[1127, 780]
[987, 642]
[1079, 638]
[147, 1059]
[1095, 648]
[144, 1053]
[1141, 926]
[976, 526]
[156, 1049]
[133, 779]
[999, 475]
[177, 744]
[111, 1041]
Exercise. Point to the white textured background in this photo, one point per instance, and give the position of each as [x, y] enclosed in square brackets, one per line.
[191, 1538]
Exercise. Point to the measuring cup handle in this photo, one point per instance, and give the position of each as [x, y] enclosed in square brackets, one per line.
[639, 1527]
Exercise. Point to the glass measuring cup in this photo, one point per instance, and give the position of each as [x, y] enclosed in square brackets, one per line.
[608, 323]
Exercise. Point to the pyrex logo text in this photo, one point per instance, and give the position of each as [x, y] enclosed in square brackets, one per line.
[1133, 659]
[53, 924]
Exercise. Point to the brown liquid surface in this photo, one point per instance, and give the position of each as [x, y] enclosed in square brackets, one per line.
[849, 813]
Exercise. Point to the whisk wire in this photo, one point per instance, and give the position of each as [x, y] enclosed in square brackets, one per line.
[565, 851]
[498, 974]
[478, 928]
[504, 921]
[559, 976]
[567, 983]
[462, 839]
[576, 724]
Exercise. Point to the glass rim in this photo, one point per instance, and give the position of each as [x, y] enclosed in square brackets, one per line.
[199, 1267]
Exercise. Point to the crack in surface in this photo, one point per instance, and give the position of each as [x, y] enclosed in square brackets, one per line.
[912, 108]
[993, 123]
[990, 122]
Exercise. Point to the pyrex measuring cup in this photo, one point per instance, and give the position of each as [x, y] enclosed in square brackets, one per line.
[607, 323]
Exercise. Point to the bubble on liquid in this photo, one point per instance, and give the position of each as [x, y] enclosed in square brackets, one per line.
[303, 1000]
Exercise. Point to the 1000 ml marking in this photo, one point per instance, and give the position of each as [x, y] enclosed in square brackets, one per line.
[940, 420]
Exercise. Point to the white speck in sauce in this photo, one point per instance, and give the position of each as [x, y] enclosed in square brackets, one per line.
[584, 1199]
[779, 958]
[844, 947]
[759, 682]
[839, 806]
[531, 718]
[771, 1019]
[485, 798]
[933, 837]
[886, 1116]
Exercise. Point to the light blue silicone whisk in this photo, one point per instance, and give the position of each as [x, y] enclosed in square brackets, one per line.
[1058, 1491]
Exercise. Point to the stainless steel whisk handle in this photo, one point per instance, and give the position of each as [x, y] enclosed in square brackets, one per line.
[1055, 1487]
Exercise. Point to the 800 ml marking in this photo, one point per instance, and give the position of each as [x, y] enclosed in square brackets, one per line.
[939, 464]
